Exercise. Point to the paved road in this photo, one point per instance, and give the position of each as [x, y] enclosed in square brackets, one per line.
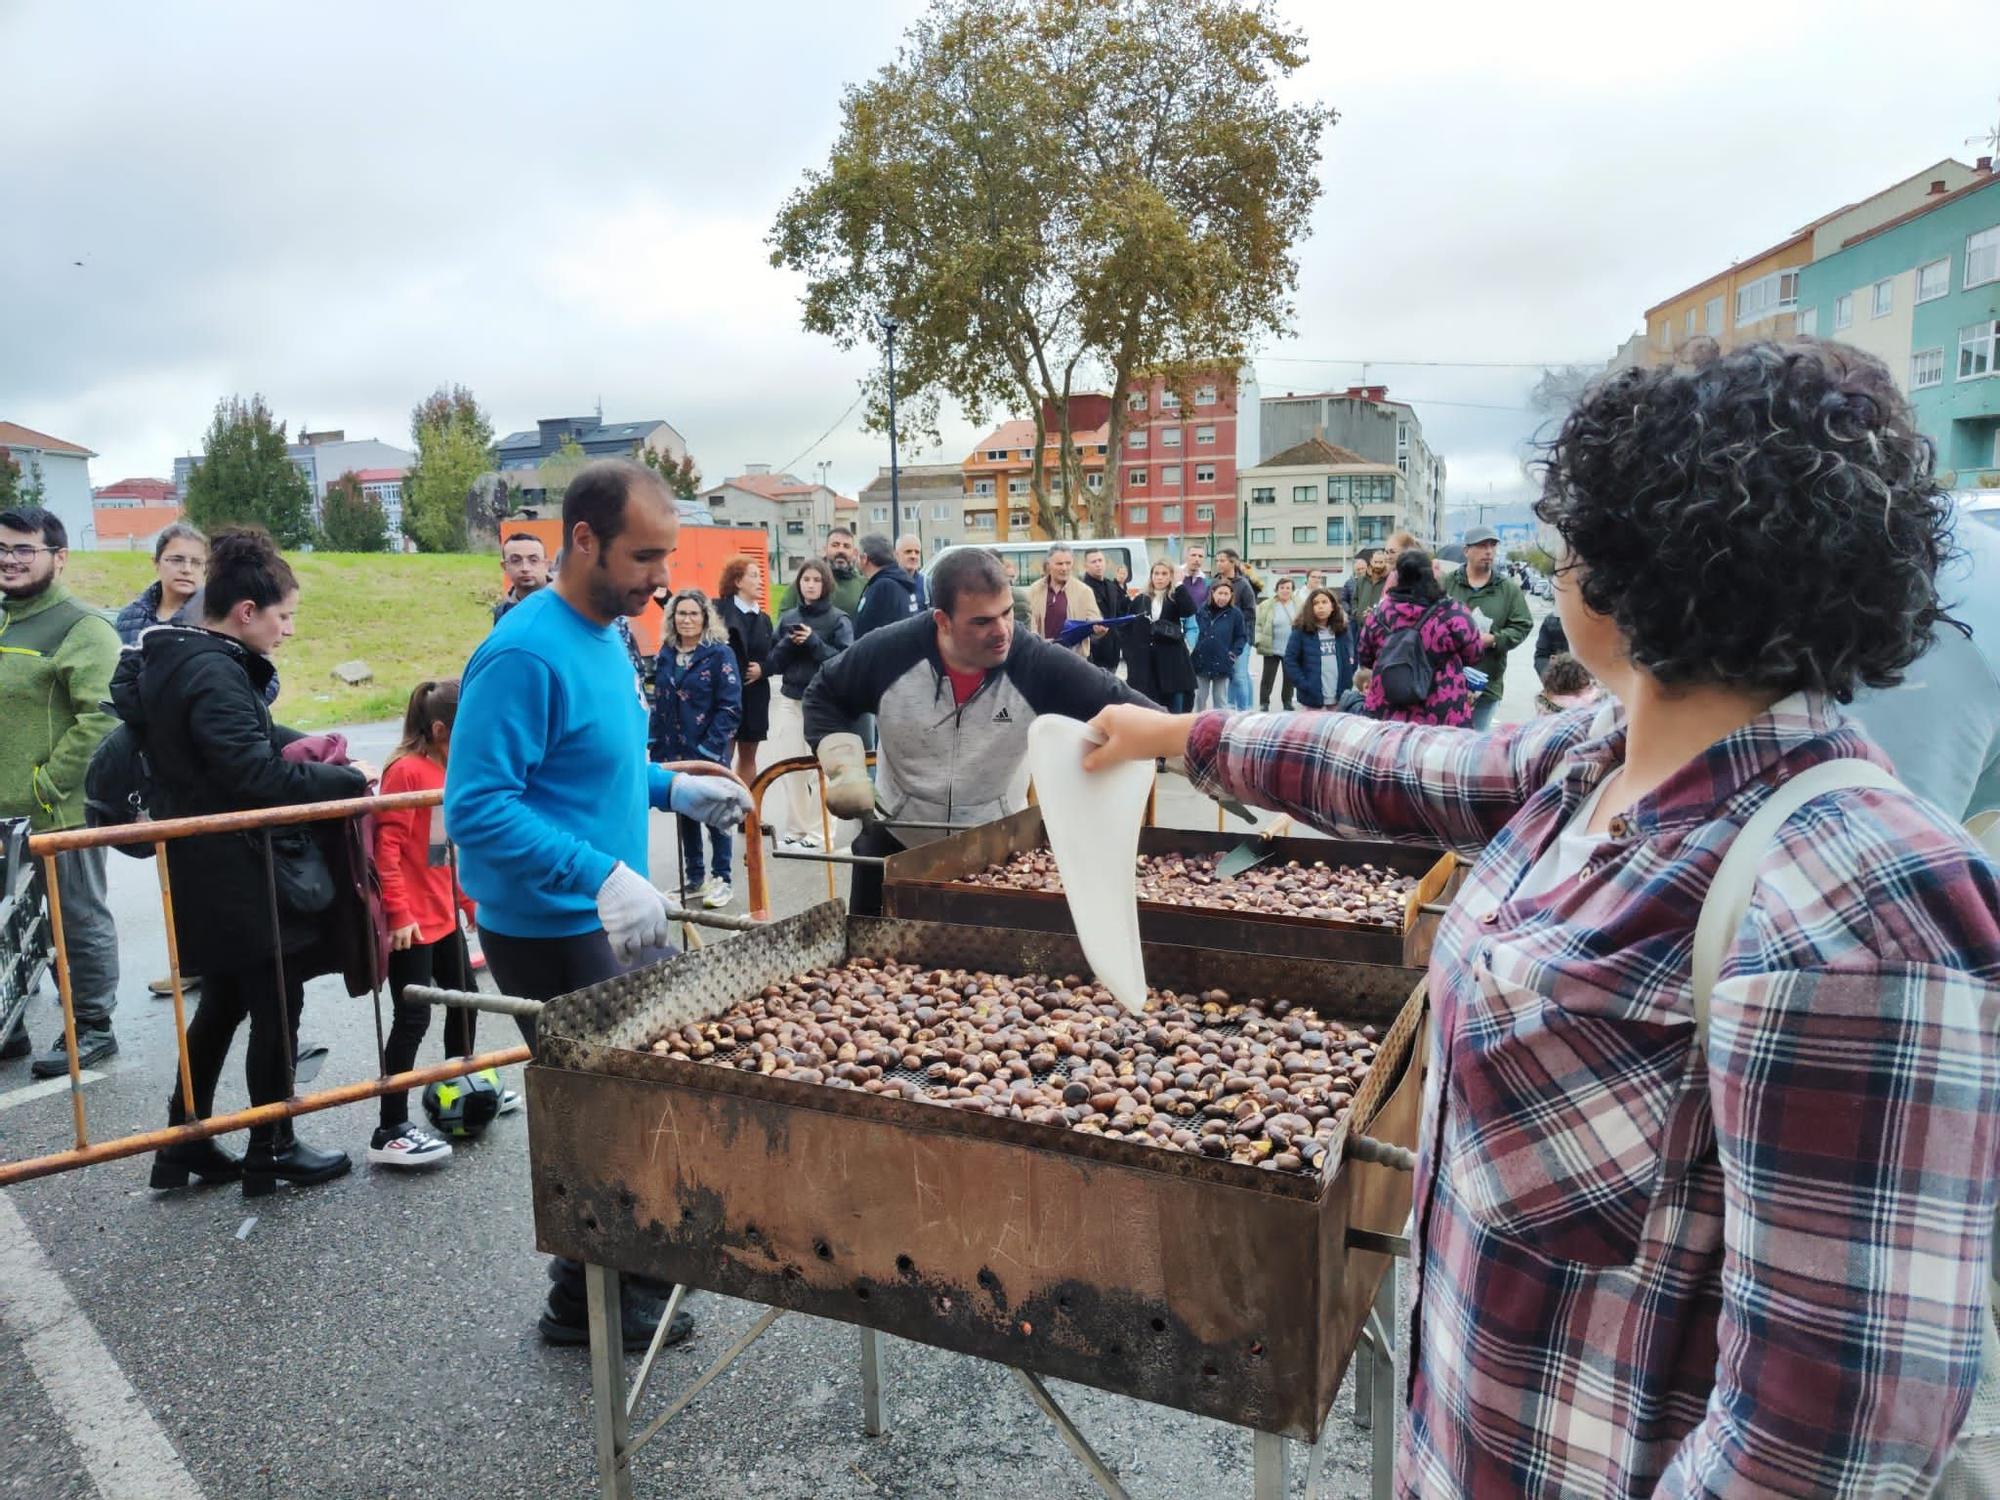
[374, 1337]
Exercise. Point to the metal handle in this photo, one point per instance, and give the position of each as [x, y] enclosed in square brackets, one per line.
[1434, 908]
[829, 859]
[1381, 1153]
[498, 1005]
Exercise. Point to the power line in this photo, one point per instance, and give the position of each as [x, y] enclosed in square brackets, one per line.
[786, 467]
[1426, 364]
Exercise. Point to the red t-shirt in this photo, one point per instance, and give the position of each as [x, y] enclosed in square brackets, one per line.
[413, 888]
[964, 684]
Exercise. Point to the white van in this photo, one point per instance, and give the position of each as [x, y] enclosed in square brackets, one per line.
[1127, 552]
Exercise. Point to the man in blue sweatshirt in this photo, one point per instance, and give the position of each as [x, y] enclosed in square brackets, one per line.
[548, 789]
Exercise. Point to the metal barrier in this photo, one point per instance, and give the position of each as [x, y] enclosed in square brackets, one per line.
[46, 846]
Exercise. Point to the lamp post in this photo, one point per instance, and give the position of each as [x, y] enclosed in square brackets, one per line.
[889, 326]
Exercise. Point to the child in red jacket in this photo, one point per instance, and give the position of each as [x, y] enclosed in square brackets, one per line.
[421, 894]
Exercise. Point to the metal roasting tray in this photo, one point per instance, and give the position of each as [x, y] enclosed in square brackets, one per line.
[931, 883]
[1207, 1286]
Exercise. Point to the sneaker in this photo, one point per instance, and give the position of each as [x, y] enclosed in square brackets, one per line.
[811, 841]
[164, 988]
[93, 1045]
[717, 894]
[510, 1100]
[793, 841]
[407, 1145]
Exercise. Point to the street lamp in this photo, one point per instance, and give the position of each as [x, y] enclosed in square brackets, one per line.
[889, 326]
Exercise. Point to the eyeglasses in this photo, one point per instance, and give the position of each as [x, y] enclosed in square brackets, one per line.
[176, 560]
[22, 554]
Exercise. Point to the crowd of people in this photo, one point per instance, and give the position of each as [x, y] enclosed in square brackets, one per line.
[1703, 1206]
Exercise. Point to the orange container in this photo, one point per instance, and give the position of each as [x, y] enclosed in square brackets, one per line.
[697, 563]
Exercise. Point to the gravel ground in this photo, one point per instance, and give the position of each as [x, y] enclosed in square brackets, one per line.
[375, 1337]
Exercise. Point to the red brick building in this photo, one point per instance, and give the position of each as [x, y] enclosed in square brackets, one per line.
[1177, 463]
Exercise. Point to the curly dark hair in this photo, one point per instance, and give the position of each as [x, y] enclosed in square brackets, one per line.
[1763, 518]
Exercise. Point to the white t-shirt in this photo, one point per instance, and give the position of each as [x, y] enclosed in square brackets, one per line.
[1568, 854]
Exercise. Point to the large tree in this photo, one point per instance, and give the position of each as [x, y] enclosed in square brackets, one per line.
[454, 438]
[351, 521]
[245, 476]
[1048, 194]
[681, 476]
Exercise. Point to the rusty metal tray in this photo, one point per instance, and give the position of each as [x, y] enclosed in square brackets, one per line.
[930, 884]
[1208, 1286]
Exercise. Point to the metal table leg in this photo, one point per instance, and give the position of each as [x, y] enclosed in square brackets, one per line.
[1382, 1373]
[1100, 1472]
[871, 1383]
[1364, 1383]
[607, 1381]
[1271, 1467]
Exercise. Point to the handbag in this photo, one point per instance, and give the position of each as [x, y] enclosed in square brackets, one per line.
[1972, 1469]
[300, 873]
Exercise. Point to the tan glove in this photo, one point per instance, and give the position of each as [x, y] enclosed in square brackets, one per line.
[849, 792]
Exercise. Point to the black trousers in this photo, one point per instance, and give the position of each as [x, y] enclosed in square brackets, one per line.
[228, 996]
[1274, 667]
[446, 965]
[864, 891]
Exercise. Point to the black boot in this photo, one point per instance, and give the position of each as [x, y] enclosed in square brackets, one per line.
[276, 1155]
[173, 1165]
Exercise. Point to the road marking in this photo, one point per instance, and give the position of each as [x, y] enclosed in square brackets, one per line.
[126, 1453]
[28, 1093]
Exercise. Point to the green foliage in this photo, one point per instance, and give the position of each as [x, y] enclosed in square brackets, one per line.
[1537, 557]
[350, 521]
[245, 478]
[683, 478]
[450, 458]
[453, 406]
[16, 489]
[1050, 194]
[558, 469]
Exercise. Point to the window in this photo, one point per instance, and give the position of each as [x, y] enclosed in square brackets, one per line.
[1711, 316]
[1134, 477]
[1337, 492]
[909, 513]
[1372, 529]
[1170, 474]
[1305, 494]
[1982, 258]
[1137, 513]
[996, 455]
[1690, 322]
[1926, 368]
[1136, 401]
[1263, 536]
[878, 512]
[1170, 512]
[1776, 293]
[940, 512]
[1933, 280]
[1093, 482]
[1843, 311]
[982, 486]
[1885, 299]
[1809, 320]
[1102, 449]
[1204, 434]
[1336, 532]
[1264, 495]
[979, 520]
[1137, 439]
[1204, 512]
[1976, 349]
[1170, 437]
[1204, 474]
[795, 528]
[1402, 436]
[1170, 401]
[1017, 518]
[1017, 486]
[1305, 533]
[1204, 395]
[938, 544]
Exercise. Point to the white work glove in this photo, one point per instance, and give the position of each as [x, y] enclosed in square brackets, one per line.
[633, 912]
[719, 801]
[849, 792]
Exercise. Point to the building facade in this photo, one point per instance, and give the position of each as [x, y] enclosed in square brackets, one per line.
[519, 455]
[796, 515]
[1365, 422]
[932, 497]
[996, 477]
[1317, 504]
[63, 471]
[130, 514]
[1922, 293]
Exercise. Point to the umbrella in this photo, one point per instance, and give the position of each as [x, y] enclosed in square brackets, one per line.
[1452, 553]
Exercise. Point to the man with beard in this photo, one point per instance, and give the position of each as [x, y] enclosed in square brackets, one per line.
[526, 562]
[844, 557]
[548, 787]
[56, 658]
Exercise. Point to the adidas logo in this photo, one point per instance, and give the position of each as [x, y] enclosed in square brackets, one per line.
[1003, 717]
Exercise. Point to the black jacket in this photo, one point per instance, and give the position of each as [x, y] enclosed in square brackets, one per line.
[1550, 642]
[1155, 651]
[938, 761]
[1111, 603]
[750, 637]
[888, 598]
[832, 633]
[196, 699]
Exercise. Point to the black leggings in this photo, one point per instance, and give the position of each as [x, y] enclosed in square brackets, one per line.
[444, 964]
[543, 968]
[1274, 667]
[227, 997]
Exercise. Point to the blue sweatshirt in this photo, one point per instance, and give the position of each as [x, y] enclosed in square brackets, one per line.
[548, 783]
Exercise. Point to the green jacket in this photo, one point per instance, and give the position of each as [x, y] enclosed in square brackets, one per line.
[1365, 591]
[56, 657]
[1505, 607]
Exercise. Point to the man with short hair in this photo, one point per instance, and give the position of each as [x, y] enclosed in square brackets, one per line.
[1229, 566]
[910, 553]
[1498, 608]
[56, 658]
[1365, 584]
[1111, 603]
[549, 786]
[526, 562]
[954, 692]
[1058, 597]
[889, 594]
[844, 558]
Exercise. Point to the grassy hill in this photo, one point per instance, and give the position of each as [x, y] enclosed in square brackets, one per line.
[408, 616]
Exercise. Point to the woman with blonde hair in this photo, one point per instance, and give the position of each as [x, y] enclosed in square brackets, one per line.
[697, 703]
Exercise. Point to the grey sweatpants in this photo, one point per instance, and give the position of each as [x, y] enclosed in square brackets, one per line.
[89, 935]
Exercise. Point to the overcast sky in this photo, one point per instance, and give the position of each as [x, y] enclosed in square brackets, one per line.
[343, 206]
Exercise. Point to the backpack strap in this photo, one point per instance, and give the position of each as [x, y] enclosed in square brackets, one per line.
[1728, 899]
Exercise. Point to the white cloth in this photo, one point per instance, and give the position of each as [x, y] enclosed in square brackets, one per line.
[1566, 856]
[633, 912]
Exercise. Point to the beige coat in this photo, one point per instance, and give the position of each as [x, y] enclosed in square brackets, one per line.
[1082, 606]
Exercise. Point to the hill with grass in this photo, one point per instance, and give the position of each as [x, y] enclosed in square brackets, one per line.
[409, 616]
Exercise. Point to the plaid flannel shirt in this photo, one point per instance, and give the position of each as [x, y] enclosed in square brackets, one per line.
[1642, 1270]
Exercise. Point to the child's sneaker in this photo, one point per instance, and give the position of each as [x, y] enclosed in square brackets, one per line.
[407, 1145]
